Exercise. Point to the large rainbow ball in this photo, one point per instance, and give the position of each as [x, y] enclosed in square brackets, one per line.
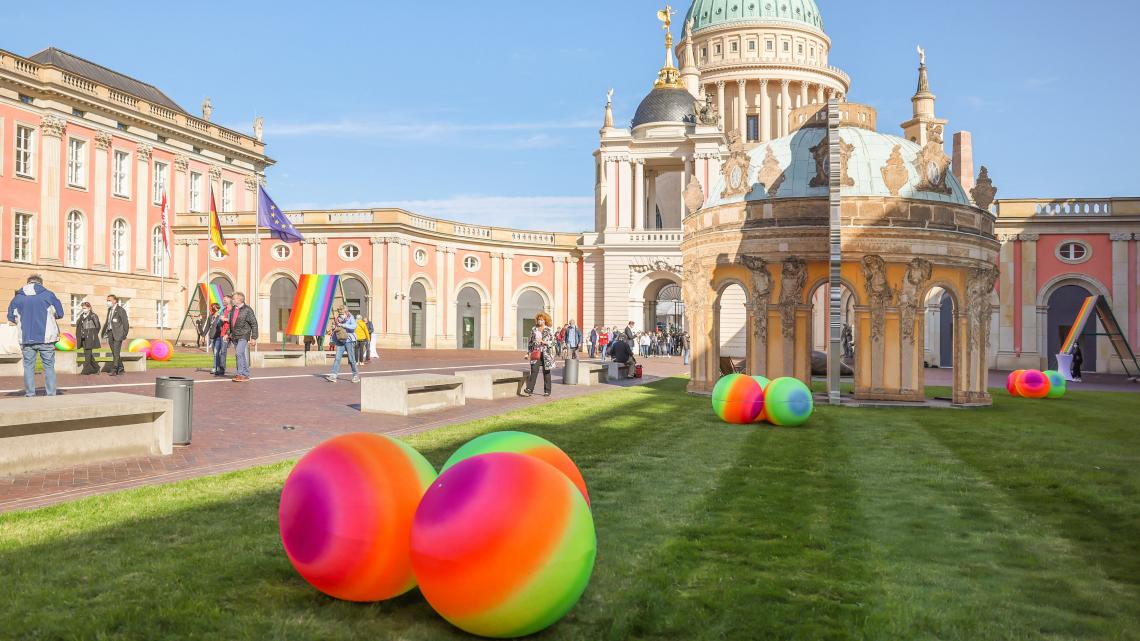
[788, 402]
[1056, 383]
[66, 343]
[763, 382]
[503, 545]
[139, 345]
[1011, 382]
[346, 515]
[521, 443]
[1033, 384]
[737, 399]
[160, 350]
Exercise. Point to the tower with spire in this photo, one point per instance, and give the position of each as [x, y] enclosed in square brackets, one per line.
[924, 126]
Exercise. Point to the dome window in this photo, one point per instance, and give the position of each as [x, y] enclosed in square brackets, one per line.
[348, 251]
[1073, 252]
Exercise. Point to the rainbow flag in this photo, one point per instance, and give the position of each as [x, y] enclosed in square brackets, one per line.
[209, 294]
[312, 304]
[1087, 310]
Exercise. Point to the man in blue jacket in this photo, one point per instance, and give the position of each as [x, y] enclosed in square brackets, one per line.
[36, 309]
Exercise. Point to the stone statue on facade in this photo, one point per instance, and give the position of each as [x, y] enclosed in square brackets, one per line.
[694, 195]
[979, 288]
[984, 191]
[793, 278]
[258, 127]
[207, 108]
[848, 339]
[917, 273]
[760, 294]
[879, 293]
[706, 113]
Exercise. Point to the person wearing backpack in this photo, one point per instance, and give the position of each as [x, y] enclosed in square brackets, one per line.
[36, 310]
[342, 335]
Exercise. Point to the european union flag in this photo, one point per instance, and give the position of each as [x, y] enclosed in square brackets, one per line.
[272, 218]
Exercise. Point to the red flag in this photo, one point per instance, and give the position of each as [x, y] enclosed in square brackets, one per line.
[167, 239]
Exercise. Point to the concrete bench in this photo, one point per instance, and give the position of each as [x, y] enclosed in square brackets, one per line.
[72, 362]
[410, 394]
[617, 371]
[491, 384]
[78, 429]
[11, 364]
[277, 359]
[590, 374]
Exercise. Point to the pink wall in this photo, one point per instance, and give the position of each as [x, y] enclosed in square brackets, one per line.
[1098, 267]
[17, 193]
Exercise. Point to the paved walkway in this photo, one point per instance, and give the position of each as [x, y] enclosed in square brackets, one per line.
[279, 415]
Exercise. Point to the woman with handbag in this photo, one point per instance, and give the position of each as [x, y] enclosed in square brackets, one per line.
[342, 334]
[87, 338]
[540, 352]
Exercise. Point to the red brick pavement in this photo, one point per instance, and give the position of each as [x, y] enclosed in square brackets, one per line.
[279, 415]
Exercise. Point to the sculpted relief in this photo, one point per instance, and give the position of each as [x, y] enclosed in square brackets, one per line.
[979, 287]
[879, 292]
[918, 272]
[760, 295]
[793, 278]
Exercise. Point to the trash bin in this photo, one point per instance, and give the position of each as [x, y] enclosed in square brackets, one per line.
[179, 389]
[570, 371]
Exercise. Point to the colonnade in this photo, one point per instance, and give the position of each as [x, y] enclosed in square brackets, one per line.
[772, 107]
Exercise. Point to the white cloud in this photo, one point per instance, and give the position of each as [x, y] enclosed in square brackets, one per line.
[545, 213]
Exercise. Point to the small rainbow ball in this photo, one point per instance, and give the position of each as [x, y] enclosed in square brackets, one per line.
[1056, 383]
[737, 399]
[139, 345]
[1011, 382]
[160, 350]
[788, 402]
[521, 443]
[346, 516]
[763, 381]
[66, 343]
[1033, 384]
[503, 545]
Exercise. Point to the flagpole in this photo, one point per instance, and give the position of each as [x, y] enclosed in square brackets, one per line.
[257, 249]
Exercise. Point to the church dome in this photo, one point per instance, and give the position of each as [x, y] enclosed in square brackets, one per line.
[666, 104]
[706, 14]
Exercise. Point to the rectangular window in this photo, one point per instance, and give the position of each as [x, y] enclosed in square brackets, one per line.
[25, 139]
[76, 163]
[160, 171]
[161, 314]
[753, 129]
[227, 196]
[769, 45]
[27, 100]
[121, 126]
[704, 53]
[752, 45]
[717, 50]
[76, 306]
[77, 113]
[732, 47]
[787, 47]
[195, 191]
[121, 174]
[22, 238]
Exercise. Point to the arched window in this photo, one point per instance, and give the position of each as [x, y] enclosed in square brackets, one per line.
[73, 250]
[119, 236]
[157, 253]
[349, 251]
[1073, 252]
[532, 268]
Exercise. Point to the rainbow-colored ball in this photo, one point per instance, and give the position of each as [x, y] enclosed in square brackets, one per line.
[521, 443]
[503, 545]
[139, 345]
[346, 515]
[1011, 382]
[160, 350]
[1032, 384]
[1057, 383]
[788, 402]
[763, 382]
[66, 343]
[738, 399]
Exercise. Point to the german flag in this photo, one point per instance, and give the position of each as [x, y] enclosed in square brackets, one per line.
[216, 237]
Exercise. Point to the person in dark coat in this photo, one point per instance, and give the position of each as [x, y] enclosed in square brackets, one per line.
[1078, 360]
[243, 335]
[87, 328]
[115, 330]
[540, 344]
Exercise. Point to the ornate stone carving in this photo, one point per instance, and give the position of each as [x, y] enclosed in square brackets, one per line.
[793, 278]
[53, 126]
[894, 172]
[917, 273]
[822, 154]
[103, 140]
[653, 265]
[760, 295]
[879, 293]
[215, 173]
[771, 174]
[144, 151]
[934, 133]
[694, 195]
[258, 127]
[1120, 237]
[251, 183]
[695, 292]
[932, 165]
[707, 114]
[735, 169]
[181, 162]
[979, 287]
[984, 191]
[207, 108]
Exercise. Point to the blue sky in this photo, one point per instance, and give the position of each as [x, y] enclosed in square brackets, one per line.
[488, 112]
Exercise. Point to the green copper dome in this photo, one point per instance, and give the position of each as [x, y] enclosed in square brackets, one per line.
[706, 14]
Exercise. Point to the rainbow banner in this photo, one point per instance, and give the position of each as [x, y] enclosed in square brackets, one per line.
[312, 305]
[1087, 309]
[209, 294]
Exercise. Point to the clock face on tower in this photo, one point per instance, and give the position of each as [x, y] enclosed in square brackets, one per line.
[736, 177]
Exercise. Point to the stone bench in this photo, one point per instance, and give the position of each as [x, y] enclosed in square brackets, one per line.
[491, 384]
[11, 364]
[617, 371]
[589, 374]
[78, 429]
[410, 394]
[72, 362]
[277, 359]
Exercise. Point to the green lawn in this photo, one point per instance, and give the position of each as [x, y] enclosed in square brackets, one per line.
[1018, 522]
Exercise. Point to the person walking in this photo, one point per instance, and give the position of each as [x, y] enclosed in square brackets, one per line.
[370, 348]
[573, 339]
[342, 335]
[242, 335]
[686, 347]
[36, 310]
[115, 329]
[630, 334]
[603, 342]
[592, 344]
[1078, 360]
[363, 336]
[87, 338]
[219, 334]
[645, 343]
[540, 352]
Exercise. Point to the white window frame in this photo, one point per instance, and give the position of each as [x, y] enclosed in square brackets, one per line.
[25, 158]
[281, 252]
[76, 162]
[162, 314]
[1061, 256]
[76, 306]
[159, 185]
[344, 249]
[532, 262]
[227, 195]
[476, 263]
[157, 252]
[74, 253]
[22, 236]
[120, 256]
[121, 173]
[215, 253]
[420, 256]
[195, 191]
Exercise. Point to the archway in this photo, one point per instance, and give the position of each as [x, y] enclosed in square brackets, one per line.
[1064, 304]
[281, 295]
[355, 295]
[731, 322]
[938, 343]
[224, 284]
[417, 315]
[668, 310]
[468, 323]
[530, 303]
[821, 328]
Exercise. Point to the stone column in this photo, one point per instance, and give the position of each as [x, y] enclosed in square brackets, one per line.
[623, 193]
[322, 254]
[741, 109]
[177, 200]
[380, 294]
[765, 111]
[609, 177]
[819, 94]
[785, 107]
[142, 203]
[52, 128]
[572, 291]
[392, 288]
[639, 194]
[99, 218]
[1033, 345]
[448, 299]
[559, 312]
[1005, 338]
[686, 173]
[1122, 303]
[495, 329]
[508, 295]
[803, 94]
[308, 255]
[720, 104]
[829, 93]
[243, 284]
[652, 208]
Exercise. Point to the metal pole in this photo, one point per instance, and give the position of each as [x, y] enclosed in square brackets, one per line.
[835, 297]
[257, 253]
